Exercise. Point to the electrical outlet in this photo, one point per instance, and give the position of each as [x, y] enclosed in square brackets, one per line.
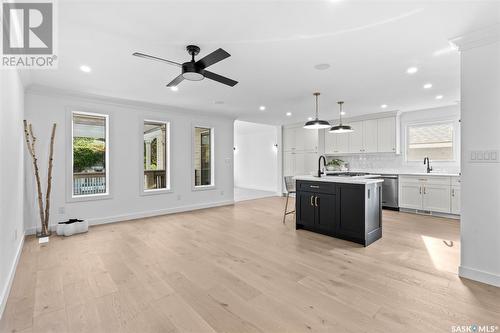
[61, 210]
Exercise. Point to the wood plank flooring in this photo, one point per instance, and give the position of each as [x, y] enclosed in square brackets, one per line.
[239, 269]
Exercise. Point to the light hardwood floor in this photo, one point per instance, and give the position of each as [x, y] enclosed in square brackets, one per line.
[239, 269]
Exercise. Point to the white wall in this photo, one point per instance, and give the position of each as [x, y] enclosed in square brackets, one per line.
[11, 177]
[256, 157]
[388, 161]
[480, 222]
[43, 107]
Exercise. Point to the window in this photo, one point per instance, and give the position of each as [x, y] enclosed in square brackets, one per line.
[89, 154]
[430, 140]
[203, 157]
[156, 156]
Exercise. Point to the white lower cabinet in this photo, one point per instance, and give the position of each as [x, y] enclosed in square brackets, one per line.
[410, 196]
[436, 198]
[430, 193]
[455, 200]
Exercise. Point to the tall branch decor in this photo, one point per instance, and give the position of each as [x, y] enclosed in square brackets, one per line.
[30, 142]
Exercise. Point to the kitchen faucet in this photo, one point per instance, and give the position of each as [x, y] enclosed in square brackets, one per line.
[429, 168]
[319, 165]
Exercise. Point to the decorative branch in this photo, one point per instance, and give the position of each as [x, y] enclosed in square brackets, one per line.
[49, 176]
[30, 142]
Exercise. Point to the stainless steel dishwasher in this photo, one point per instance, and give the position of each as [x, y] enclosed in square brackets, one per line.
[390, 188]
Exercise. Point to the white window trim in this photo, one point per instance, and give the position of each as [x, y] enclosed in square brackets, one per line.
[212, 155]
[69, 160]
[455, 125]
[168, 169]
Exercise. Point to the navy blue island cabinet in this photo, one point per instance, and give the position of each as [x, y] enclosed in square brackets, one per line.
[349, 211]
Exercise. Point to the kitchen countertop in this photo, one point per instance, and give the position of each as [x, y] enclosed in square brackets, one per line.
[404, 173]
[337, 179]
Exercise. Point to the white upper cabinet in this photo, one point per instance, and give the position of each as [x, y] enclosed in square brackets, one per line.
[370, 136]
[386, 135]
[336, 143]
[300, 139]
[378, 135]
[356, 137]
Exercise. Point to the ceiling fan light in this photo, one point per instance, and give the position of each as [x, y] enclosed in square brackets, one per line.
[192, 76]
[341, 129]
[317, 124]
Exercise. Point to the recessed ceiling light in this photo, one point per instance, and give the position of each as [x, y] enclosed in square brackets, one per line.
[288, 114]
[262, 108]
[342, 113]
[439, 97]
[322, 67]
[412, 70]
[174, 88]
[85, 68]
[383, 106]
[310, 118]
[428, 86]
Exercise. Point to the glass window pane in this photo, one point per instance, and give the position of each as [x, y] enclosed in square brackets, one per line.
[431, 140]
[155, 155]
[203, 156]
[89, 154]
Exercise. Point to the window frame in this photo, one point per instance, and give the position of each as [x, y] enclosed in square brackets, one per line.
[70, 197]
[212, 186]
[168, 168]
[455, 148]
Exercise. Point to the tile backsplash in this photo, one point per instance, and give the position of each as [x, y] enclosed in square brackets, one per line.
[393, 163]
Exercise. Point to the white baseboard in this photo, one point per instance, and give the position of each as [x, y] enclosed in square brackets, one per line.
[477, 275]
[12, 272]
[140, 215]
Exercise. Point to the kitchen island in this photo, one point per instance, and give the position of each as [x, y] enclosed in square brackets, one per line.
[348, 208]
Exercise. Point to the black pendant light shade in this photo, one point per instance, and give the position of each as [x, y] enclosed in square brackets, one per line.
[340, 128]
[317, 123]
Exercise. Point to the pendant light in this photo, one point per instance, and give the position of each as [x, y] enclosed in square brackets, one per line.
[340, 128]
[316, 123]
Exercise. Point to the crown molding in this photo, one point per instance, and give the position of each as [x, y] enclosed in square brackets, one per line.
[43, 90]
[477, 38]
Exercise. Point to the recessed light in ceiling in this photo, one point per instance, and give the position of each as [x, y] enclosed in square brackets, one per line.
[310, 118]
[85, 69]
[439, 97]
[174, 88]
[262, 108]
[322, 67]
[428, 86]
[412, 70]
[383, 106]
[288, 114]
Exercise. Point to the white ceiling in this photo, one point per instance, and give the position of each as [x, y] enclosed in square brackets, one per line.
[274, 46]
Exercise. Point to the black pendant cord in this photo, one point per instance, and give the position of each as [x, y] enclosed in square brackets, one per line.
[340, 112]
[317, 110]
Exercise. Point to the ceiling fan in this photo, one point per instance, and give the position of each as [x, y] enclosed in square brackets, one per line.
[195, 70]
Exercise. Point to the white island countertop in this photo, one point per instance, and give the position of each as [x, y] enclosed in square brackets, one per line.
[400, 172]
[371, 179]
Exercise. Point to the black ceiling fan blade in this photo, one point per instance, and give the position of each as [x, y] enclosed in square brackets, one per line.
[212, 58]
[176, 81]
[219, 78]
[150, 57]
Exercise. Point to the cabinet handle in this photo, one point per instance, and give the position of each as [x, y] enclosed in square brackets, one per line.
[316, 201]
[424, 190]
[314, 186]
[420, 189]
[312, 200]
[452, 192]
